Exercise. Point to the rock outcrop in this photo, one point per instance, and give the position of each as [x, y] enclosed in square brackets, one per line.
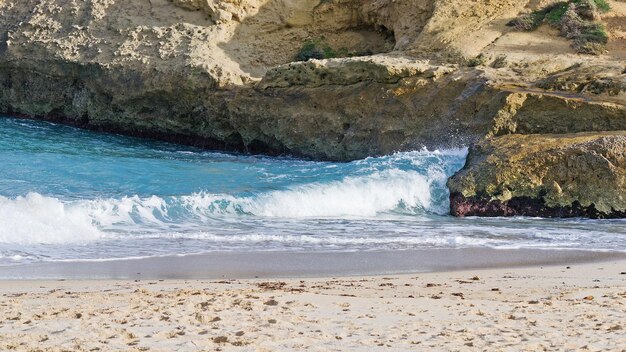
[570, 175]
[221, 73]
[530, 111]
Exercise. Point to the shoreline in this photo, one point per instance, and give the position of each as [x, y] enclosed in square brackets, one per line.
[284, 264]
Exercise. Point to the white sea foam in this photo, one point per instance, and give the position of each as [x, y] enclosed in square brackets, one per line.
[35, 219]
[362, 196]
[38, 219]
[354, 196]
[125, 211]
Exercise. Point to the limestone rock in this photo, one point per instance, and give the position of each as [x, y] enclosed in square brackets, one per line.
[379, 68]
[569, 175]
[532, 111]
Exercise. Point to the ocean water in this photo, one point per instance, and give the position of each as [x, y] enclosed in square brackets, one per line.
[74, 195]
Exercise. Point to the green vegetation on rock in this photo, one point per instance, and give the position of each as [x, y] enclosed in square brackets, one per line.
[577, 20]
[477, 61]
[320, 49]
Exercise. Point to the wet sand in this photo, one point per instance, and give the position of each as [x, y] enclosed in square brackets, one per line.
[249, 265]
[566, 306]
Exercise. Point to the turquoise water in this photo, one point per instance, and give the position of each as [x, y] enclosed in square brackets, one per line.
[69, 194]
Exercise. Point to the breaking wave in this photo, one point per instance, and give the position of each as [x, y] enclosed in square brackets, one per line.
[35, 218]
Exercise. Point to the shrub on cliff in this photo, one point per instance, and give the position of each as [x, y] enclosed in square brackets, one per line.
[312, 50]
[477, 61]
[577, 20]
[320, 49]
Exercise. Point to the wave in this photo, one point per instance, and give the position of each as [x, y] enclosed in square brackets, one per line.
[380, 189]
[38, 219]
[388, 191]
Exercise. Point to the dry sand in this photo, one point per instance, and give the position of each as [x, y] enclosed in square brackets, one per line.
[582, 307]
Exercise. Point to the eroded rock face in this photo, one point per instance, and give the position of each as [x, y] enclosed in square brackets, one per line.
[531, 111]
[569, 175]
[188, 70]
[390, 107]
[407, 108]
[591, 79]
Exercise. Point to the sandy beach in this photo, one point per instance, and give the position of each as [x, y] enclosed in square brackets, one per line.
[557, 307]
[313, 175]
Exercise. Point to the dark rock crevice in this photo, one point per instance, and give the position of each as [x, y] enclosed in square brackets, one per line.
[483, 206]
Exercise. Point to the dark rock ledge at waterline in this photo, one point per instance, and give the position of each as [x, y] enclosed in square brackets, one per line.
[485, 206]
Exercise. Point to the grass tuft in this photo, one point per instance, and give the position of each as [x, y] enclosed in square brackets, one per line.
[555, 14]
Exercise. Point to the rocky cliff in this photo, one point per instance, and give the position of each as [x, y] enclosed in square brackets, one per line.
[400, 74]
